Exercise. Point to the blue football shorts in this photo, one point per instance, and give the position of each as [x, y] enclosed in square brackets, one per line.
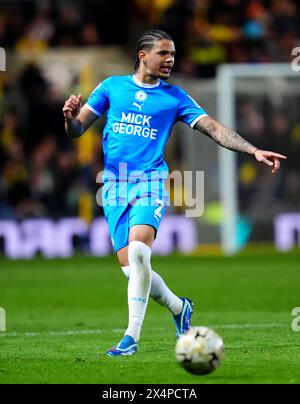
[128, 204]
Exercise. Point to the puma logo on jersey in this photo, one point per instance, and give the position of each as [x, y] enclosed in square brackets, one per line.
[138, 106]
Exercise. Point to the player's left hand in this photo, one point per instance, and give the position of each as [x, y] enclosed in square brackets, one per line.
[269, 158]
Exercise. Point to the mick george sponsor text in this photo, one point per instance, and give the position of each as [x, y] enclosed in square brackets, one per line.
[136, 125]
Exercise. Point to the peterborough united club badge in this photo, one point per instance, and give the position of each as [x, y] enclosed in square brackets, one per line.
[141, 96]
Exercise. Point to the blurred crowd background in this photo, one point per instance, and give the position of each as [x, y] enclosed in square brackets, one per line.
[43, 173]
[206, 32]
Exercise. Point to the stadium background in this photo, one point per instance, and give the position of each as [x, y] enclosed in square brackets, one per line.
[56, 48]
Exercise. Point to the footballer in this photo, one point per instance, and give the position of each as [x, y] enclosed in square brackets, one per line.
[141, 110]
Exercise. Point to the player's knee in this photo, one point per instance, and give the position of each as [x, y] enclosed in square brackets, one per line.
[139, 254]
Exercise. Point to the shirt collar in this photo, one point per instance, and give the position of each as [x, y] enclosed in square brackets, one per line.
[140, 84]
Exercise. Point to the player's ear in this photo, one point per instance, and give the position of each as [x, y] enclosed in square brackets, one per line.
[142, 56]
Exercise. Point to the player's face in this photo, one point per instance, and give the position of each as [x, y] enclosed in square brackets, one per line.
[159, 61]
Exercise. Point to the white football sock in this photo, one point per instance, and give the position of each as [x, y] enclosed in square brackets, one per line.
[160, 292]
[139, 255]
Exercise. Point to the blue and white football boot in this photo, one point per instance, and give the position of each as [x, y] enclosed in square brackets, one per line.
[126, 347]
[183, 320]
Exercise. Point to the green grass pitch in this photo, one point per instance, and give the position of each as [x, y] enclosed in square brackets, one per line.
[63, 314]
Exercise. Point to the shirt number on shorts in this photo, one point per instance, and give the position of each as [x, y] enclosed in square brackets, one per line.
[157, 212]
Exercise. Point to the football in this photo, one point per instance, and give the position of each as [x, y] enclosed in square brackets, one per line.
[200, 350]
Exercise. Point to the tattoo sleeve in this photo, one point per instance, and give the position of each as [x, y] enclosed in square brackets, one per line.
[224, 136]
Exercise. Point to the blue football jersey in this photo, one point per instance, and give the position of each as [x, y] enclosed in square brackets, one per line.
[140, 118]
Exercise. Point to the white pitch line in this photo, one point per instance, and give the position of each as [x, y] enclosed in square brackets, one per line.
[117, 330]
[238, 326]
[56, 333]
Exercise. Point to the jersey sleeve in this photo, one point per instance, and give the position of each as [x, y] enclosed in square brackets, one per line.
[98, 101]
[189, 111]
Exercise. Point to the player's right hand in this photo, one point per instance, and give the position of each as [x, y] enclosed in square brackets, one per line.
[72, 107]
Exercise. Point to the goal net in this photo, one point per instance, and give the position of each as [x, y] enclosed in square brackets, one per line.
[243, 200]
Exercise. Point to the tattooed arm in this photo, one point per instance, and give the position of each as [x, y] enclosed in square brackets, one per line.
[231, 140]
[224, 136]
